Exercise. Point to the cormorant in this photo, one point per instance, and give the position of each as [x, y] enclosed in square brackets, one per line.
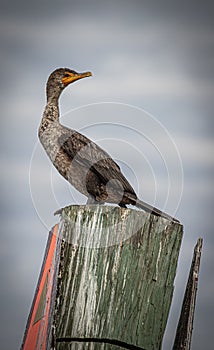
[80, 161]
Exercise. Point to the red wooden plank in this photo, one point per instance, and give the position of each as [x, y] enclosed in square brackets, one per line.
[37, 326]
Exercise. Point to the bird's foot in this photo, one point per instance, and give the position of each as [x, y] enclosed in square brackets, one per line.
[122, 205]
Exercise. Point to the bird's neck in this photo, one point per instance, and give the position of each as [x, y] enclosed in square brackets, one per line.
[51, 111]
[53, 92]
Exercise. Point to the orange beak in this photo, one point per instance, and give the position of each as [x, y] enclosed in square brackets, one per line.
[71, 77]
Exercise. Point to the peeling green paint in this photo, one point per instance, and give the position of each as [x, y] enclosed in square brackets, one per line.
[117, 273]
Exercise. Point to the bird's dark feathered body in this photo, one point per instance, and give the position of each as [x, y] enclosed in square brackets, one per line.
[80, 161]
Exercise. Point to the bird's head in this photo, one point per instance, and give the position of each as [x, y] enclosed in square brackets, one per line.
[61, 78]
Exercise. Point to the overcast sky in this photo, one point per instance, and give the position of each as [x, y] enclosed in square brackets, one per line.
[149, 104]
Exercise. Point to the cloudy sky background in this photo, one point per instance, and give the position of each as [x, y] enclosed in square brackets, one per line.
[145, 56]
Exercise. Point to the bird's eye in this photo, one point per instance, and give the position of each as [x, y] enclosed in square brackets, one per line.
[66, 75]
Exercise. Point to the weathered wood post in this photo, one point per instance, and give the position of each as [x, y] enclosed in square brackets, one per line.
[113, 281]
[185, 325]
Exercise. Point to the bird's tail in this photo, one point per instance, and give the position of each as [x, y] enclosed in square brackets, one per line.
[150, 209]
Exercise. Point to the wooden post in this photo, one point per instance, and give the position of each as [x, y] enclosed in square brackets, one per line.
[185, 325]
[114, 285]
[38, 328]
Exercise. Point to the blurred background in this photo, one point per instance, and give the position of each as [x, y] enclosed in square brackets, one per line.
[149, 104]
